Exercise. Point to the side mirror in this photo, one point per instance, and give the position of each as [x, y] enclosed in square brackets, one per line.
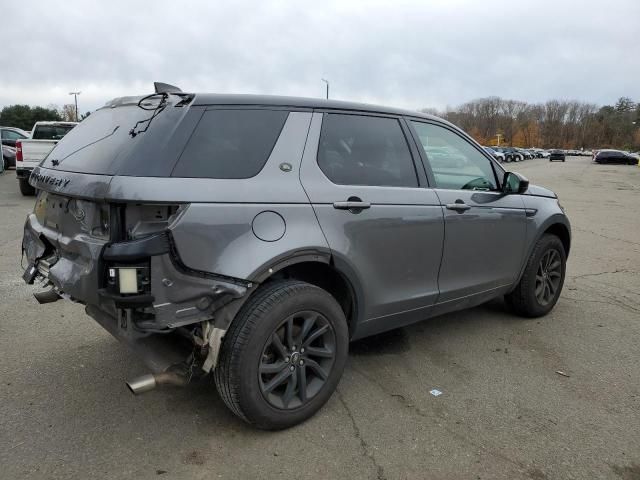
[513, 182]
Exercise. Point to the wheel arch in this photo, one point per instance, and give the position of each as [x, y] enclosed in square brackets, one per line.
[561, 231]
[327, 276]
[320, 268]
[557, 225]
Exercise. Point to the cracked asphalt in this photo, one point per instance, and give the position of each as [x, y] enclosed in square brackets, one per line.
[504, 413]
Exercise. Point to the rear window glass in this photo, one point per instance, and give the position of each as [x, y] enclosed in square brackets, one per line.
[51, 132]
[231, 143]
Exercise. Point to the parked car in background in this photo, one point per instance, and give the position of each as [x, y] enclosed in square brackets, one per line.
[8, 157]
[557, 155]
[510, 154]
[497, 155]
[616, 156]
[526, 155]
[148, 224]
[31, 151]
[9, 136]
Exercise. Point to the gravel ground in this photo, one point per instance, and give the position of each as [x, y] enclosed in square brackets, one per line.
[504, 413]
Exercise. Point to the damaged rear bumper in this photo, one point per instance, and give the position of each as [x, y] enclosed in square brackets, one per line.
[168, 296]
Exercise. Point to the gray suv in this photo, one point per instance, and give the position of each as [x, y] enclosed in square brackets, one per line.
[253, 237]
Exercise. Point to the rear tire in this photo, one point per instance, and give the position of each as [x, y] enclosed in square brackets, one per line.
[541, 283]
[26, 189]
[269, 353]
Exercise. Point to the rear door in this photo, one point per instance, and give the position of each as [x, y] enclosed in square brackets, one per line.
[484, 228]
[385, 229]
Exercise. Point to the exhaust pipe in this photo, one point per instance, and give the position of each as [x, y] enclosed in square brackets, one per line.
[150, 381]
[48, 296]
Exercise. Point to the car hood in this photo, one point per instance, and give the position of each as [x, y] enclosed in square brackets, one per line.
[537, 191]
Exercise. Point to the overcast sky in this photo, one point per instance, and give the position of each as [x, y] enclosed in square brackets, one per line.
[413, 54]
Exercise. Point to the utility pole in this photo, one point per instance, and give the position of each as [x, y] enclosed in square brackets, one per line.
[327, 82]
[75, 95]
[498, 135]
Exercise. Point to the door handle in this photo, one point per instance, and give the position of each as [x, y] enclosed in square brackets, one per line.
[459, 206]
[351, 205]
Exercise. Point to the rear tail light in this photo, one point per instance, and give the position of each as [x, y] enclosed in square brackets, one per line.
[18, 151]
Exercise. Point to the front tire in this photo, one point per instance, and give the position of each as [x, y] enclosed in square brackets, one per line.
[26, 189]
[541, 283]
[283, 355]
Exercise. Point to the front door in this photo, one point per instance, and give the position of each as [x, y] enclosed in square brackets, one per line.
[385, 229]
[484, 228]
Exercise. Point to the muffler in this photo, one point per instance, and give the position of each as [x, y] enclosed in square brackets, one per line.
[48, 296]
[150, 381]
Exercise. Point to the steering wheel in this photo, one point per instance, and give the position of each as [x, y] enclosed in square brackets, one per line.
[479, 182]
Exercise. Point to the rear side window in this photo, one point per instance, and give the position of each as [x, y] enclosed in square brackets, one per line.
[230, 144]
[362, 150]
[51, 132]
[11, 135]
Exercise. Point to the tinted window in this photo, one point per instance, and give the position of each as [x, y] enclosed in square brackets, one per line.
[362, 150]
[51, 132]
[11, 135]
[231, 143]
[456, 163]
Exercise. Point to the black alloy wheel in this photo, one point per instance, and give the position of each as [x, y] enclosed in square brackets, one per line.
[541, 283]
[297, 360]
[548, 277]
[283, 354]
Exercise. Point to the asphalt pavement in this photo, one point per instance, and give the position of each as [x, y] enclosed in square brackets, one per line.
[505, 411]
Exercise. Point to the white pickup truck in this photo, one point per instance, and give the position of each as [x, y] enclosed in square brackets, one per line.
[31, 151]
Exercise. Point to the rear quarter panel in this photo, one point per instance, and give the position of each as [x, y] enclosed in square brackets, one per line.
[240, 227]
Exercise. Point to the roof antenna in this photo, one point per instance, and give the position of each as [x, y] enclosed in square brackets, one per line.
[165, 88]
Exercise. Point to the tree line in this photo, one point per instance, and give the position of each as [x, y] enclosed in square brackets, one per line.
[568, 124]
[24, 116]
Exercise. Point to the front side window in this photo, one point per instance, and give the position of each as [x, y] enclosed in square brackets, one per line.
[231, 143]
[364, 150]
[456, 163]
